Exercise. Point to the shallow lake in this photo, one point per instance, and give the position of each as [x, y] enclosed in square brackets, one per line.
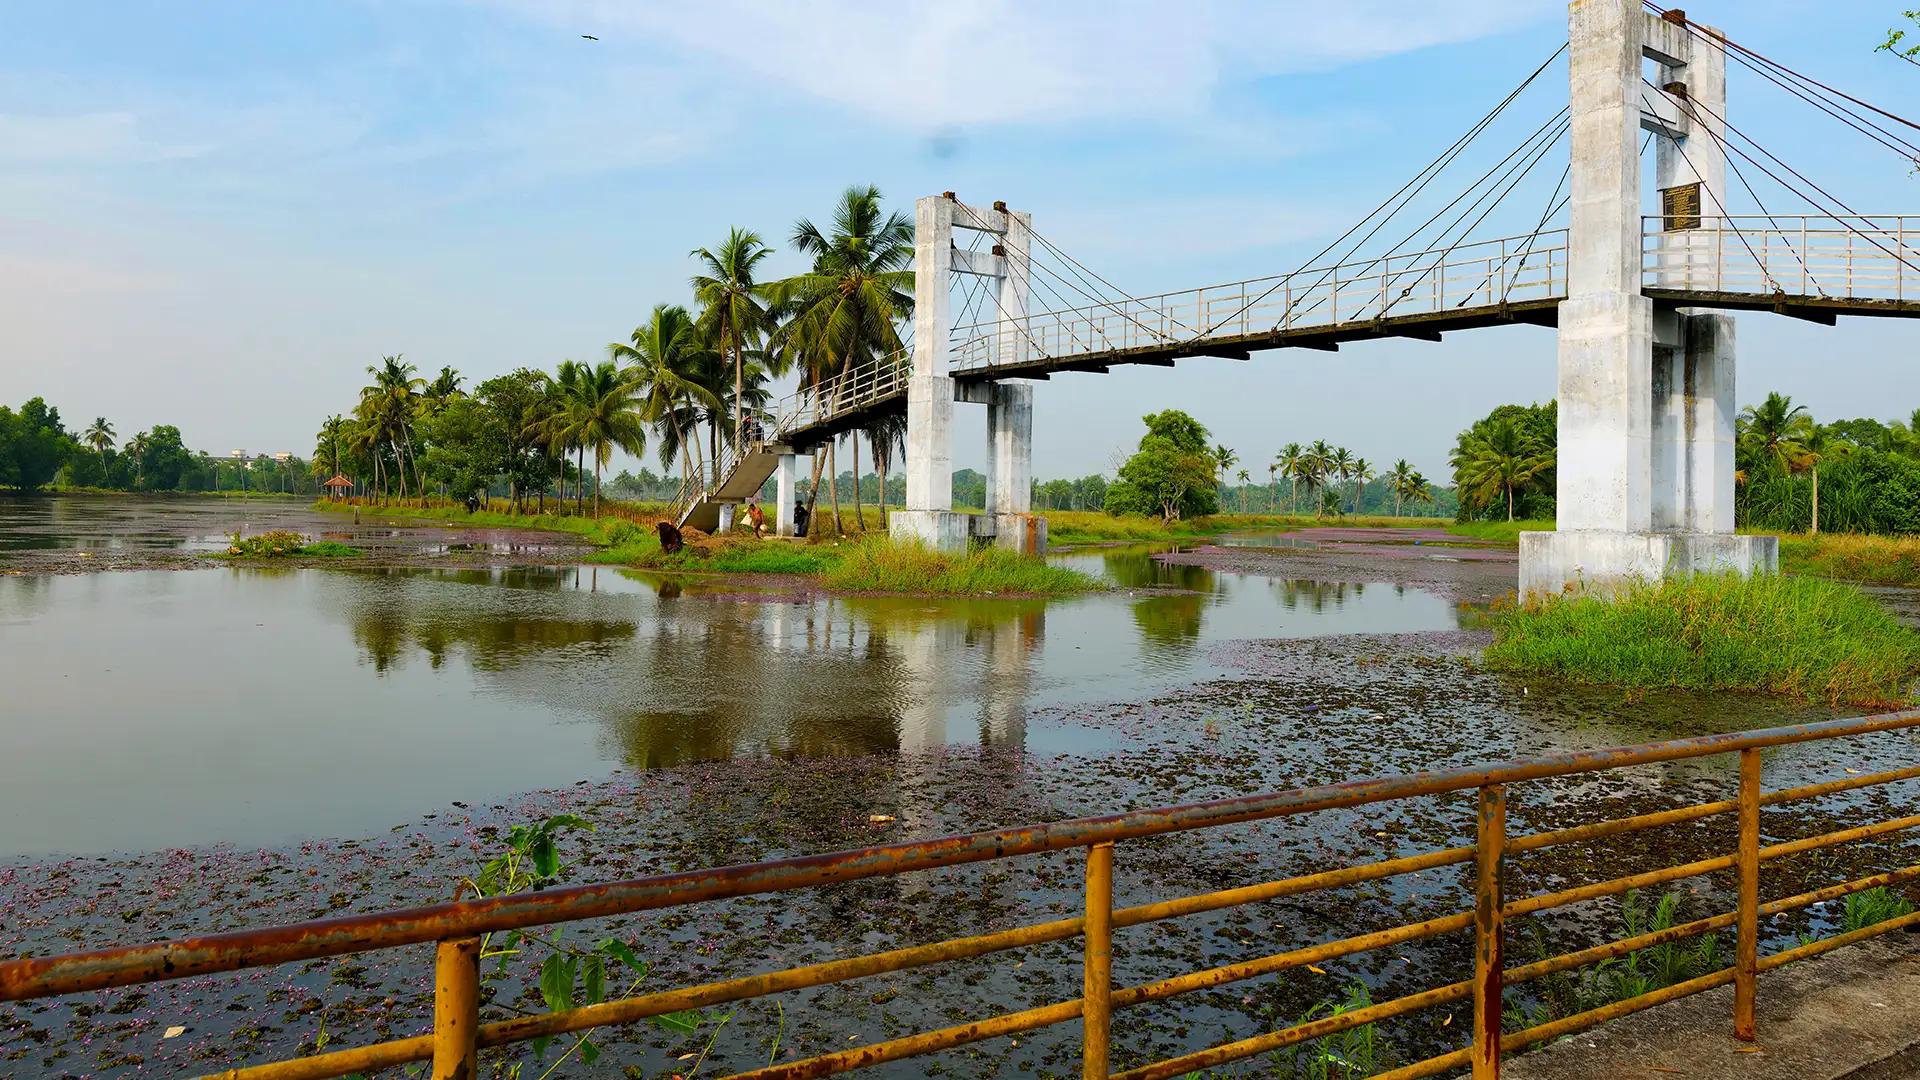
[252, 706]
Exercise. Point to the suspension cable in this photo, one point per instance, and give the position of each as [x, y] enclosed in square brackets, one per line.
[1403, 196]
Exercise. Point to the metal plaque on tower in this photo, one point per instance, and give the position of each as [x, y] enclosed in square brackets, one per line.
[1680, 207]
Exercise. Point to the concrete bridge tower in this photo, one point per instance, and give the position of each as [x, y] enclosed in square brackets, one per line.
[1646, 389]
[931, 389]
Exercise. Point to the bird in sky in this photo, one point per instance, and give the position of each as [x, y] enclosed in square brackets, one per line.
[589, 37]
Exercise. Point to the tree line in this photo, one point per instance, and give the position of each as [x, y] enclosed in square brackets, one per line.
[1792, 473]
[689, 383]
[1176, 474]
[37, 450]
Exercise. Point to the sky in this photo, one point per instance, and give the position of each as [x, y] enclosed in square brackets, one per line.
[216, 214]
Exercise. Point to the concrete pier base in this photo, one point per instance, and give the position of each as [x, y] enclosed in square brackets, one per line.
[941, 530]
[1024, 533]
[1601, 561]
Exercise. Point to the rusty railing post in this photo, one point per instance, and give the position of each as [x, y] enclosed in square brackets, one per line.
[1096, 986]
[1488, 853]
[456, 1009]
[1746, 958]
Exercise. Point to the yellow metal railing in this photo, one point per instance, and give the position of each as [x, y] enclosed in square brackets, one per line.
[459, 1034]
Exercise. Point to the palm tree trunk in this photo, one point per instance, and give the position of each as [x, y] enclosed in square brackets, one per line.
[833, 486]
[859, 515]
[1814, 530]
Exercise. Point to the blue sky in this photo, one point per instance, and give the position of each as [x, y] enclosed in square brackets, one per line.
[216, 214]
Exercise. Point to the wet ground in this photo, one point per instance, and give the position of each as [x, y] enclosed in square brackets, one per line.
[699, 725]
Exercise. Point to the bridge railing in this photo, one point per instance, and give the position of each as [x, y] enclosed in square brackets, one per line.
[851, 390]
[1483, 274]
[1487, 867]
[1866, 257]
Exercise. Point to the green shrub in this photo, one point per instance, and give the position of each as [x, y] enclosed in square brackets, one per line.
[1873, 907]
[1811, 639]
[285, 544]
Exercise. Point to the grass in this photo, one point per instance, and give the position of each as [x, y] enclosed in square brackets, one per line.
[1802, 637]
[1880, 560]
[1507, 532]
[879, 564]
[872, 563]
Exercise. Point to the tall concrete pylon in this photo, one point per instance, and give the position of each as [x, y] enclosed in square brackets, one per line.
[1646, 390]
[931, 389]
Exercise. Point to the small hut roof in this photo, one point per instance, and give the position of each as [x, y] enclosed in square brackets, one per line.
[338, 481]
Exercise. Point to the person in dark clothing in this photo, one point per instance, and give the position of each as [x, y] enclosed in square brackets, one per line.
[800, 518]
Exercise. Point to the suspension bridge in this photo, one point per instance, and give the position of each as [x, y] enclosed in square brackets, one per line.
[1640, 300]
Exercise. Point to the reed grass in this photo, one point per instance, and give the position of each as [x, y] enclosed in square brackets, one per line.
[1797, 636]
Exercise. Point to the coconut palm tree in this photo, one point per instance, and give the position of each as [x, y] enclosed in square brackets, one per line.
[388, 406]
[1290, 462]
[1340, 464]
[327, 459]
[1362, 472]
[846, 310]
[1400, 481]
[1224, 459]
[664, 360]
[733, 313]
[1766, 432]
[601, 411]
[99, 436]
[1816, 446]
[1496, 460]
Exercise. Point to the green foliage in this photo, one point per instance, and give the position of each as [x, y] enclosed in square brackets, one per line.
[1621, 978]
[1172, 474]
[33, 444]
[284, 544]
[1802, 637]
[1872, 907]
[1503, 466]
[881, 564]
[1344, 1055]
[571, 976]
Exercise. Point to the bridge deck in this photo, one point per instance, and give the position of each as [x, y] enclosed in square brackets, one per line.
[1426, 325]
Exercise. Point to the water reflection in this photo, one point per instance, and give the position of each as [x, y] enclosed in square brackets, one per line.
[256, 705]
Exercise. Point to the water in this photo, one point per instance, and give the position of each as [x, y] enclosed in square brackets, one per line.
[253, 706]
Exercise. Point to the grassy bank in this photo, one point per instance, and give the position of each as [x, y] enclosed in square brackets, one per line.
[867, 564]
[878, 564]
[1880, 560]
[1505, 532]
[1816, 640]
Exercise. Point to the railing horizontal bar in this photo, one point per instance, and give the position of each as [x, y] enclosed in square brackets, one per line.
[1274, 1040]
[1544, 901]
[1815, 948]
[1636, 823]
[1520, 1040]
[45, 976]
[373, 1058]
[914, 1045]
[1531, 904]
[1248, 894]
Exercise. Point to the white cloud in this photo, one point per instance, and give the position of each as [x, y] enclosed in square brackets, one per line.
[966, 62]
